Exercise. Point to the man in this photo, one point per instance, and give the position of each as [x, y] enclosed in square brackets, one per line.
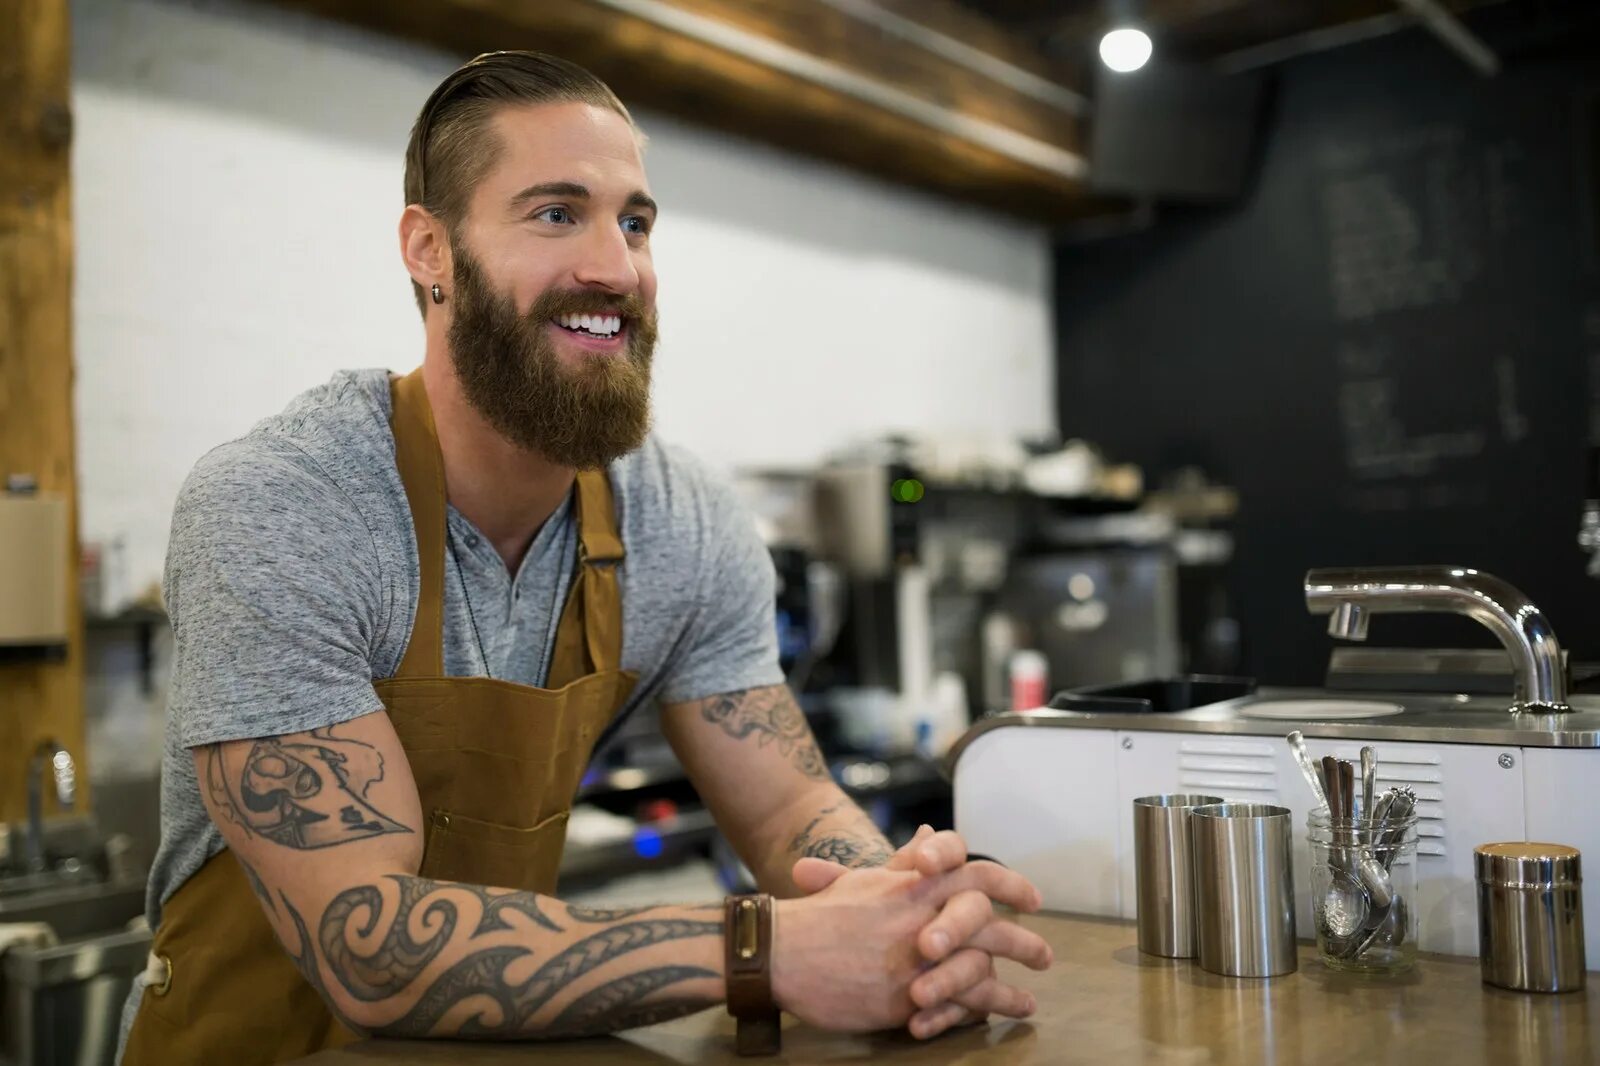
[406, 612]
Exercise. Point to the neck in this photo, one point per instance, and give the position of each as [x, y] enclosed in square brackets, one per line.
[506, 491]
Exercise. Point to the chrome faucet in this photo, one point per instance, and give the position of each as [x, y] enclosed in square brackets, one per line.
[66, 782]
[1350, 596]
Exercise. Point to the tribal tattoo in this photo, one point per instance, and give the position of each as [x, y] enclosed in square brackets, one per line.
[256, 884]
[309, 791]
[772, 717]
[615, 1004]
[499, 1006]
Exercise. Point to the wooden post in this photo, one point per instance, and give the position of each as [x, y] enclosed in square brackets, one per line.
[36, 437]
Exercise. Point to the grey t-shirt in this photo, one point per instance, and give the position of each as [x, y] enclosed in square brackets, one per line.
[292, 582]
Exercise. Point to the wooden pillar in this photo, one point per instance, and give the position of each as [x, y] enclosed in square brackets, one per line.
[36, 435]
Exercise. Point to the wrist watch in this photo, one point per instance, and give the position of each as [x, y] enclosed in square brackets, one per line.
[748, 940]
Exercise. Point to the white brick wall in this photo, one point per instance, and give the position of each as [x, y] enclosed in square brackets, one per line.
[237, 185]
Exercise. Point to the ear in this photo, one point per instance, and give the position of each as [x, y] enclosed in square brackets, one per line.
[425, 247]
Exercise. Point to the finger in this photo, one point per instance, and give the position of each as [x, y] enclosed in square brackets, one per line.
[1000, 884]
[1008, 940]
[993, 996]
[957, 922]
[811, 875]
[930, 1023]
[906, 857]
[941, 853]
[952, 977]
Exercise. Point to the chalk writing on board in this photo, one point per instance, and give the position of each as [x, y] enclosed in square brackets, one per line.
[1412, 219]
[1377, 443]
[1401, 497]
[1400, 216]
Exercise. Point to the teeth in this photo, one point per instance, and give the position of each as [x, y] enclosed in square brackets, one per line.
[599, 325]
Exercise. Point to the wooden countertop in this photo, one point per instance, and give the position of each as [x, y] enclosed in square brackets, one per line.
[1103, 1002]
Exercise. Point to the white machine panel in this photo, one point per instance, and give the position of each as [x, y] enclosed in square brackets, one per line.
[1042, 802]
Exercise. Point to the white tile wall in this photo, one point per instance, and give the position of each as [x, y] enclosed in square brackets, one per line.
[237, 178]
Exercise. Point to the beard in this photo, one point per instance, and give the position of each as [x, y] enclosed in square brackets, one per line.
[581, 416]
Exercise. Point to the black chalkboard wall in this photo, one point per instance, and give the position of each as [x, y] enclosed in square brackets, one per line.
[1390, 345]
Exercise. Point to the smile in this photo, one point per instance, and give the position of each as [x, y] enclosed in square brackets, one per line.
[602, 326]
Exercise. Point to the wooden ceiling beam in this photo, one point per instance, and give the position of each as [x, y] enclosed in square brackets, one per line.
[805, 75]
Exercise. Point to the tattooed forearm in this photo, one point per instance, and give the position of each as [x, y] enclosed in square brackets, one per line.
[772, 717]
[303, 791]
[377, 949]
[626, 1018]
[579, 913]
[616, 1001]
[843, 834]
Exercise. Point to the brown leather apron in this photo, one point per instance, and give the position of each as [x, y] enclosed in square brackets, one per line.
[496, 764]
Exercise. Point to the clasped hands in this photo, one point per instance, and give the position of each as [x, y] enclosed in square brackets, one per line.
[912, 942]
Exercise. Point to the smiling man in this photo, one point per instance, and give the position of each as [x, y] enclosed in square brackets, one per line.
[407, 610]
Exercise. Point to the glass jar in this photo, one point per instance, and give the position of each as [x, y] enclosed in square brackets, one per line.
[1363, 892]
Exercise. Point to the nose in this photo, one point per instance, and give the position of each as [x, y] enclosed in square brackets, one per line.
[606, 261]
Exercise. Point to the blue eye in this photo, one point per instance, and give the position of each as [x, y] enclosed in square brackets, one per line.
[558, 215]
[636, 224]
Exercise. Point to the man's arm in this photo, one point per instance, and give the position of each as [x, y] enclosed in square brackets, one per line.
[326, 827]
[755, 763]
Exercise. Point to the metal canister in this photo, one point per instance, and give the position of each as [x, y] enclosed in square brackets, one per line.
[1243, 889]
[1162, 869]
[1530, 916]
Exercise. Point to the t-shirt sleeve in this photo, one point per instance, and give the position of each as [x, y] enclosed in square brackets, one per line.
[273, 587]
[732, 641]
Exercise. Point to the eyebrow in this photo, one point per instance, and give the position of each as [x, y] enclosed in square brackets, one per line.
[577, 192]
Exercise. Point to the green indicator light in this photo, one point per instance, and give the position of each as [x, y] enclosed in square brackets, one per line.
[907, 490]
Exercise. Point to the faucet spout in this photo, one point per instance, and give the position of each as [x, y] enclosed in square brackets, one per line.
[66, 789]
[1349, 596]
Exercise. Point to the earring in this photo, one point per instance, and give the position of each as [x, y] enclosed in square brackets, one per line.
[438, 295]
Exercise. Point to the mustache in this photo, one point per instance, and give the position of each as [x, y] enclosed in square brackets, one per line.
[553, 303]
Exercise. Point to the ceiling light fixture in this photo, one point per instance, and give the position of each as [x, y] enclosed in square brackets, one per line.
[1125, 49]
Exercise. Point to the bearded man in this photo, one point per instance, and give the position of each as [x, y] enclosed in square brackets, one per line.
[408, 609]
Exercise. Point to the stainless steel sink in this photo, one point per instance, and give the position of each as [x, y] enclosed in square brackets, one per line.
[60, 1003]
[75, 910]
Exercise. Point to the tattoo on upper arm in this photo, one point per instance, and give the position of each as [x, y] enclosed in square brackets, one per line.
[501, 1006]
[772, 717]
[256, 884]
[840, 845]
[308, 790]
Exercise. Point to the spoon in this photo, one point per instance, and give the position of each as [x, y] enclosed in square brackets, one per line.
[1297, 744]
[1374, 872]
[1389, 931]
[1369, 775]
[1345, 907]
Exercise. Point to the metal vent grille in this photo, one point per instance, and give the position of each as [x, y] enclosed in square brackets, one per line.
[1241, 770]
[1424, 772]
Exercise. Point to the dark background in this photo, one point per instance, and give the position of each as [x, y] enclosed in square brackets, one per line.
[1385, 345]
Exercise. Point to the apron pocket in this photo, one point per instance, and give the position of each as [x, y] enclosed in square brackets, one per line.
[476, 852]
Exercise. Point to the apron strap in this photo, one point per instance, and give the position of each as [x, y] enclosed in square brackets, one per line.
[421, 466]
[589, 637]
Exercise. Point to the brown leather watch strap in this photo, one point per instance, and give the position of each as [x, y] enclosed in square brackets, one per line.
[748, 937]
